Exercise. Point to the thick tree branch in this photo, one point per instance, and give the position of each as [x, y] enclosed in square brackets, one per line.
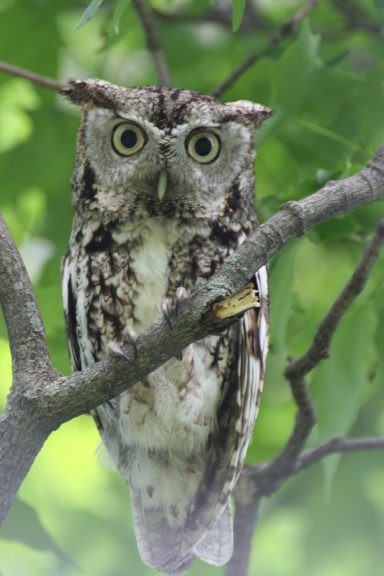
[244, 526]
[25, 327]
[153, 42]
[282, 32]
[46, 404]
[247, 505]
[21, 439]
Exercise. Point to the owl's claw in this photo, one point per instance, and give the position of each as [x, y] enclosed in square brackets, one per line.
[180, 297]
[240, 302]
[166, 309]
[115, 349]
[166, 306]
[130, 336]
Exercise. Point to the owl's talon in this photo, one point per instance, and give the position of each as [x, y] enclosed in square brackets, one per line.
[130, 336]
[166, 309]
[115, 349]
[240, 302]
[180, 297]
[166, 306]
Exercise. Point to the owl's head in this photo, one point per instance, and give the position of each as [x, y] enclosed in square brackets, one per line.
[156, 150]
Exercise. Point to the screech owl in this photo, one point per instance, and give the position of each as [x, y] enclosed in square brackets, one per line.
[163, 191]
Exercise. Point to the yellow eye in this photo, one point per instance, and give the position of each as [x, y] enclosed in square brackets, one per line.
[203, 146]
[128, 139]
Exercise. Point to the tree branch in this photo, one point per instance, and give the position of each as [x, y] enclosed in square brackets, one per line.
[44, 81]
[284, 465]
[338, 445]
[247, 505]
[283, 31]
[153, 42]
[355, 18]
[264, 480]
[321, 342]
[22, 316]
[47, 404]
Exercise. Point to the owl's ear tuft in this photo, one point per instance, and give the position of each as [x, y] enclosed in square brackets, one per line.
[250, 111]
[90, 93]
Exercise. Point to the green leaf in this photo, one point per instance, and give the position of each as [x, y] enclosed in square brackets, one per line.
[238, 7]
[379, 5]
[24, 525]
[121, 5]
[89, 12]
[282, 295]
[292, 74]
[282, 283]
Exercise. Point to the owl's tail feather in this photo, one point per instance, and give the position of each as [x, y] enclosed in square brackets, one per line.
[159, 544]
[217, 546]
[164, 548]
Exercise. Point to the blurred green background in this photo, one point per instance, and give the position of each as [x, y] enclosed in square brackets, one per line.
[326, 85]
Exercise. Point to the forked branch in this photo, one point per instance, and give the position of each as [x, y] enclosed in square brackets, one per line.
[263, 480]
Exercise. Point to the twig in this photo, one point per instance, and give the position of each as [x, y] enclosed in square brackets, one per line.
[338, 445]
[320, 345]
[153, 42]
[270, 477]
[284, 30]
[44, 81]
[354, 16]
[291, 24]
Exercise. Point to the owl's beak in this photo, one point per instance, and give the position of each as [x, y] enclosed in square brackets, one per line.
[162, 184]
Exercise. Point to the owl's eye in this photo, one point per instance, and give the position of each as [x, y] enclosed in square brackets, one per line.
[203, 146]
[128, 139]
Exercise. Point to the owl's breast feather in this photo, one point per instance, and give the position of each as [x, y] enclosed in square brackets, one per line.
[150, 259]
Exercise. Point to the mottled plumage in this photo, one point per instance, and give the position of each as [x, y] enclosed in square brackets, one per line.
[163, 192]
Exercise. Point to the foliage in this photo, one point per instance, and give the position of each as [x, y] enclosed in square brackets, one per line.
[326, 87]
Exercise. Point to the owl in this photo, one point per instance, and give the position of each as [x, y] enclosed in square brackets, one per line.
[163, 192]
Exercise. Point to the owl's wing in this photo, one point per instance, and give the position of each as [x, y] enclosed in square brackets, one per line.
[106, 412]
[235, 425]
[69, 303]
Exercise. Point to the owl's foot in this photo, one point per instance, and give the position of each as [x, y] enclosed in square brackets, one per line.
[114, 349]
[167, 306]
[240, 302]
[129, 336]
